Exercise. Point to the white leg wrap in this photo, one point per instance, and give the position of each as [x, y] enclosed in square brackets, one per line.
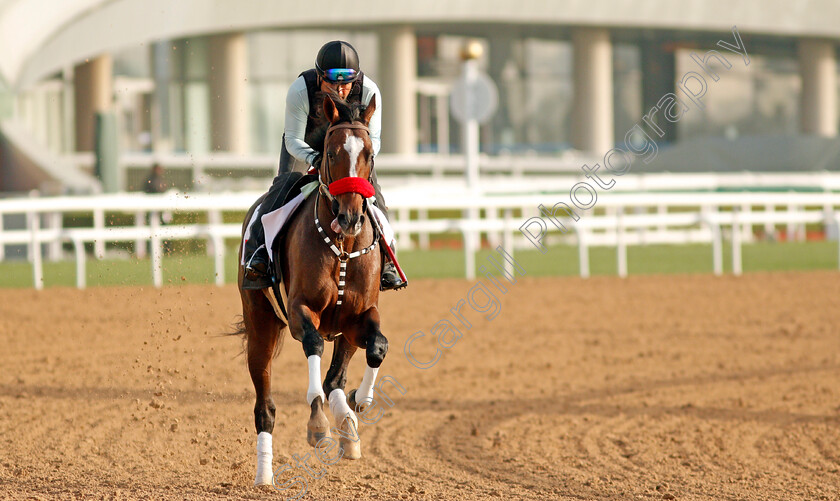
[315, 387]
[365, 391]
[340, 409]
[264, 456]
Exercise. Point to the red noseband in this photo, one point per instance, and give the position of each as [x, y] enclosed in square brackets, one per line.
[352, 185]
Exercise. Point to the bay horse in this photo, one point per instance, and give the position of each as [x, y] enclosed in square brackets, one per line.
[331, 269]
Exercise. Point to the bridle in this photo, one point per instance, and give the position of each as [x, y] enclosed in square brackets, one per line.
[333, 188]
[330, 190]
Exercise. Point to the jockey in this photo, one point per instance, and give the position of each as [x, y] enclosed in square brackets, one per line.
[337, 71]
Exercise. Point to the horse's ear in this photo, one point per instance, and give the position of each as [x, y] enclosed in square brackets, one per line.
[330, 111]
[368, 113]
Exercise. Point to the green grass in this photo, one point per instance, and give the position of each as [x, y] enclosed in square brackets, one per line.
[559, 260]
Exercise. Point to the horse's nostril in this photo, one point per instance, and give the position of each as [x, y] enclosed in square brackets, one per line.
[342, 220]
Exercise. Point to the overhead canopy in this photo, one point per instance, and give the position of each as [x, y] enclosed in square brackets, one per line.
[39, 37]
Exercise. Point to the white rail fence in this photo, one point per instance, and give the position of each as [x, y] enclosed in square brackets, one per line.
[620, 220]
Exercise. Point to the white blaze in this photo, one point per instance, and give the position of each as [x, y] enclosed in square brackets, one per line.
[354, 145]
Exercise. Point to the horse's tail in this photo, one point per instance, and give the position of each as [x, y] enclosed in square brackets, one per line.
[238, 329]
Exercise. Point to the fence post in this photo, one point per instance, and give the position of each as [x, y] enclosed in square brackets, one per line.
[140, 244]
[423, 236]
[746, 228]
[81, 273]
[507, 240]
[468, 236]
[621, 244]
[837, 226]
[219, 251]
[214, 218]
[583, 252]
[99, 224]
[34, 220]
[736, 243]
[157, 258]
[717, 247]
[404, 239]
[2, 246]
[55, 221]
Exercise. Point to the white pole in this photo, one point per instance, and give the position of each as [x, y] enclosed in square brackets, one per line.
[219, 249]
[717, 249]
[583, 254]
[140, 244]
[157, 258]
[99, 224]
[621, 244]
[34, 220]
[736, 243]
[81, 273]
[471, 145]
[507, 240]
[469, 250]
[837, 225]
[423, 236]
[55, 223]
[404, 238]
[471, 149]
[2, 246]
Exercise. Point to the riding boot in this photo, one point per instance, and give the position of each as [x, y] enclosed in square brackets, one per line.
[390, 279]
[257, 274]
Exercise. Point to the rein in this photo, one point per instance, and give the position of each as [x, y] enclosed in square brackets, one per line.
[335, 188]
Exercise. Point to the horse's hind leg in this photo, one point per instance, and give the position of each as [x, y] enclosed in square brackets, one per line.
[376, 346]
[263, 331]
[304, 329]
[345, 418]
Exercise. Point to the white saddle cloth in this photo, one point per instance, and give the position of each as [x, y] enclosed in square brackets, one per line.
[274, 221]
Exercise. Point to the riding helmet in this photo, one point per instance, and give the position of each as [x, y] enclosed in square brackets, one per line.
[338, 55]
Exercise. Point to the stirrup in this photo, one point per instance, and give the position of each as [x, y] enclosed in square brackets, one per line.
[257, 266]
[390, 284]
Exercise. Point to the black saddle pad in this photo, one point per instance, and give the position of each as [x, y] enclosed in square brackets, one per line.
[286, 187]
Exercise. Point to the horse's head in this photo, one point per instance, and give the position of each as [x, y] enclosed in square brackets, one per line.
[347, 161]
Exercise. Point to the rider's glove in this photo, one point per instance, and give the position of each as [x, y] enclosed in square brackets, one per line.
[315, 160]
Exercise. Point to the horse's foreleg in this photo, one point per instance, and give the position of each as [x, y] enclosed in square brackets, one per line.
[345, 418]
[313, 347]
[263, 331]
[376, 346]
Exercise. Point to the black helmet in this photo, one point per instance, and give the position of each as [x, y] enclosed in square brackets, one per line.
[337, 61]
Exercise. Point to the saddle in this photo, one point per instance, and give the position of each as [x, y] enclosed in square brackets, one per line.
[283, 190]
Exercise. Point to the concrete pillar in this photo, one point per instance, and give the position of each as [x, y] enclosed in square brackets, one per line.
[396, 79]
[818, 70]
[658, 79]
[506, 67]
[93, 83]
[592, 127]
[228, 79]
[158, 110]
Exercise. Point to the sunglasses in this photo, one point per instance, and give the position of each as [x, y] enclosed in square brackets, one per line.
[338, 75]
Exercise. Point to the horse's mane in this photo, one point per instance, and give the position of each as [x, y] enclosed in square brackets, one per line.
[347, 112]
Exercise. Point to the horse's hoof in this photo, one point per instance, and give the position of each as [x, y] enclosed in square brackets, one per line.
[313, 437]
[259, 482]
[349, 442]
[357, 408]
[318, 427]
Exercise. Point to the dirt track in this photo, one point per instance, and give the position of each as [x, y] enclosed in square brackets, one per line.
[678, 387]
